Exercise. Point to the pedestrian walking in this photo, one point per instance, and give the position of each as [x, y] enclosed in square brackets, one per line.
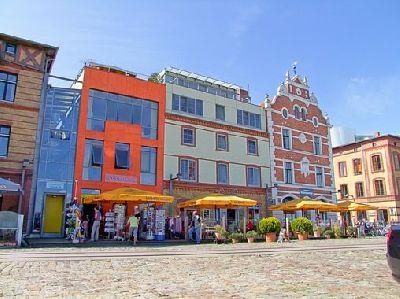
[195, 227]
[133, 222]
[96, 224]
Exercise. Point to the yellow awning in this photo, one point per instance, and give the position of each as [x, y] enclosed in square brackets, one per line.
[353, 206]
[128, 195]
[305, 205]
[218, 201]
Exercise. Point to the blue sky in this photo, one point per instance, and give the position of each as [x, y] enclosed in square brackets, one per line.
[349, 50]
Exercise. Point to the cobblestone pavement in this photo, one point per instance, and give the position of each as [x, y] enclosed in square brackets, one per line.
[334, 273]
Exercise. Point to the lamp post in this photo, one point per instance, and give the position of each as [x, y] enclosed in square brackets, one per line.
[25, 164]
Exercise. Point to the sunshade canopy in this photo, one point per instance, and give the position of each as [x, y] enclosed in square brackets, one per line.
[8, 186]
[218, 201]
[128, 195]
[305, 205]
[353, 206]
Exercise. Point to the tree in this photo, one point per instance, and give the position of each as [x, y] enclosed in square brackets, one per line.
[154, 77]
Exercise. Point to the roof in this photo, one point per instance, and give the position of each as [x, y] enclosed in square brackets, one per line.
[50, 49]
[196, 76]
[359, 143]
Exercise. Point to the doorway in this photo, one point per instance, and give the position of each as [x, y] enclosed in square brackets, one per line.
[53, 214]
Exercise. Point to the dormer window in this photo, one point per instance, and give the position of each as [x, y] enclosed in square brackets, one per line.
[11, 49]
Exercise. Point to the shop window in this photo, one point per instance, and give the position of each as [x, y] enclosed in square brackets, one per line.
[288, 172]
[220, 112]
[8, 85]
[222, 142]
[319, 174]
[344, 191]
[188, 169]
[359, 189]
[253, 176]
[252, 147]
[11, 48]
[342, 169]
[93, 160]
[396, 160]
[377, 163]
[148, 166]
[222, 173]
[188, 136]
[379, 187]
[122, 156]
[357, 167]
[317, 146]
[286, 139]
[5, 132]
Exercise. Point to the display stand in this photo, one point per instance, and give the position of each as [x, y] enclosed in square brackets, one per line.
[160, 225]
[109, 225]
[119, 221]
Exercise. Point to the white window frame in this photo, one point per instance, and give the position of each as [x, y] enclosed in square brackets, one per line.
[323, 176]
[290, 139]
[284, 172]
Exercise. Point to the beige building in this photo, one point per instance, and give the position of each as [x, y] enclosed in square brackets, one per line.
[369, 172]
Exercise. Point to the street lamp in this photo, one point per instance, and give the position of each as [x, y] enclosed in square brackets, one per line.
[25, 164]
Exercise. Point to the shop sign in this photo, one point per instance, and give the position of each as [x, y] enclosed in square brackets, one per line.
[115, 178]
[55, 185]
[306, 192]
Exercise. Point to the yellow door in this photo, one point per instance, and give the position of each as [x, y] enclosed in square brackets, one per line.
[53, 212]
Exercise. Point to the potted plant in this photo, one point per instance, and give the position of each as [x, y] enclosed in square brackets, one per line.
[352, 231]
[317, 232]
[302, 226]
[337, 232]
[251, 235]
[328, 233]
[236, 237]
[220, 232]
[269, 227]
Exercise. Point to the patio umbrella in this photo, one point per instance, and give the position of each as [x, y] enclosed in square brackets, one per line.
[218, 201]
[128, 195]
[8, 186]
[305, 205]
[353, 206]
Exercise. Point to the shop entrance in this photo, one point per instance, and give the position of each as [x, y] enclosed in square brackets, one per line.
[53, 214]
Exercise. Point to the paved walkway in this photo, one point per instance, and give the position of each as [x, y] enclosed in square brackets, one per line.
[330, 268]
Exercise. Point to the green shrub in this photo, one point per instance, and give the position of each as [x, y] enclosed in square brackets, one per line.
[236, 236]
[269, 225]
[302, 225]
[329, 232]
[251, 234]
[337, 231]
[220, 230]
[352, 231]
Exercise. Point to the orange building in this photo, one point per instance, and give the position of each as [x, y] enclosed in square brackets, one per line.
[120, 140]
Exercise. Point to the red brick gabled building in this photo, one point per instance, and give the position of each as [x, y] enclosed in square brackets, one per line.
[301, 154]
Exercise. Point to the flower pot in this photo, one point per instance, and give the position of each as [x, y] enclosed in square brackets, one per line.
[317, 234]
[234, 241]
[302, 236]
[250, 240]
[270, 237]
[328, 236]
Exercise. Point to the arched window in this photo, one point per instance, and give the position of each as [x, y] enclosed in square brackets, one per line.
[285, 113]
[315, 121]
[303, 114]
[297, 113]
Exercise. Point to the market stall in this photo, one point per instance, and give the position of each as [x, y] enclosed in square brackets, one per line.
[120, 203]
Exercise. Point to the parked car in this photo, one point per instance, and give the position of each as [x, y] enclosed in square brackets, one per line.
[393, 250]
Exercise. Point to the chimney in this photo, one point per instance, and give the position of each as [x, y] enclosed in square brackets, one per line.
[377, 134]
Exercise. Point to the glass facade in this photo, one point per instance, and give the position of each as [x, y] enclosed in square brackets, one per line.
[108, 106]
[57, 145]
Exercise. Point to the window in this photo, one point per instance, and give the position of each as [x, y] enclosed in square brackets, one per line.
[297, 113]
[252, 147]
[288, 172]
[317, 145]
[377, 163]
[342, 169]
[396, 160]
[287, 139]
[398, 185]
[220, 112]
[11, 49]
[253, 176]
[248, 119]
[359, 189]
[315, 121]
[357, 168]
[319, 174]
[4, 140]
[107, 106]
[303, 114]
[222, 142]
[8, 85]
[222, 173]
[344, 191]
[379, 187]
[148, 165]
[285, 113]
[93, 160]
[188, 136]
[122, 156]
[187, 105]
[188, 169]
